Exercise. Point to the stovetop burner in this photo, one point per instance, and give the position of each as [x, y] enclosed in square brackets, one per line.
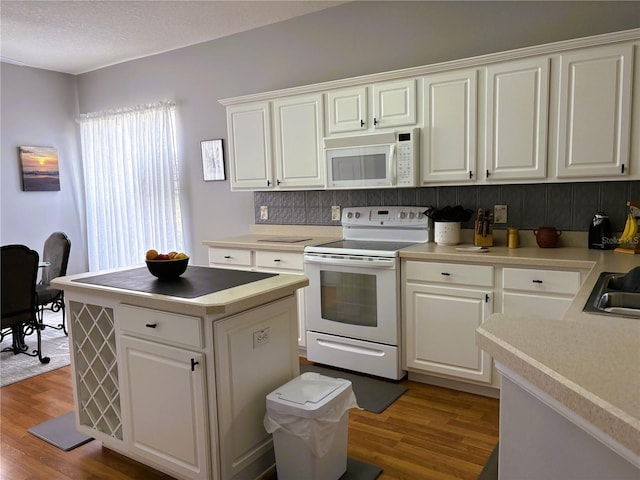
[378, 231]
[381, 246]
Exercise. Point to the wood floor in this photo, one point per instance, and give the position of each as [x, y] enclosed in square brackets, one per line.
[430, 433]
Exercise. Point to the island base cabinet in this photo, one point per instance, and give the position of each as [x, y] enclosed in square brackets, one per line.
[536, 442]
[255, 353]
[166, 405]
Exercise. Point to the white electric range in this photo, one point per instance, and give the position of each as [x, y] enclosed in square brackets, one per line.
[353, 299]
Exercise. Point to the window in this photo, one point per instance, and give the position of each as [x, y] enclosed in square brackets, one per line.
[132, 187]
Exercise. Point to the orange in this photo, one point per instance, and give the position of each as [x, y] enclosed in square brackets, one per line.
[151, 254]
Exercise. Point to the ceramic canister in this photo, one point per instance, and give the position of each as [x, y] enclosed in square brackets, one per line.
[447, 233]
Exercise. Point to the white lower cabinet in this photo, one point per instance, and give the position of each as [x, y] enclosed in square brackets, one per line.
[440, 319]
[164, 394]
[541, 293]
[166, 404]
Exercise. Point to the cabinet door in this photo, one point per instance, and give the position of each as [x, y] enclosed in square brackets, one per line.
[449, 138]
[249, 131]
[517, 98]
[347, 110]
[298, 133]
[535, 305]
[255, 353]
[165, 405]
[440, 325]
[394, 104]
[594, 114]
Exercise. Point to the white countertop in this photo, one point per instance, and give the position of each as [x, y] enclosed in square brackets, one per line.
[280, 243]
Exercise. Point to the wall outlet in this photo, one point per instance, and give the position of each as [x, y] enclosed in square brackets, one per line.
[335, 213]
[261, 337]
[264, 212]
[500, 214]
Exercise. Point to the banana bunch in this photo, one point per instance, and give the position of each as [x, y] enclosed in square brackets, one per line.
[630, 229]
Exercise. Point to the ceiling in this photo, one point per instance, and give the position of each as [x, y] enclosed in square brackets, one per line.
[80, 36]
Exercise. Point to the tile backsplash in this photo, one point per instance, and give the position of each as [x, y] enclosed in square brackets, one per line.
[567, 206]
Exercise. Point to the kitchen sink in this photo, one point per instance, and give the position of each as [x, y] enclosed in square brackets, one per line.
[607, 297]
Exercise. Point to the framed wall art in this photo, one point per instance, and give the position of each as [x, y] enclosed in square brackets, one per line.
[39, 169]
[212, 160]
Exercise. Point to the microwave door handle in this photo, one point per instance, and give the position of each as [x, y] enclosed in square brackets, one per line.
[393, 164]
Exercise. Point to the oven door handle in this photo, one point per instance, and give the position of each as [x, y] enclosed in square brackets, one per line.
[351, 261]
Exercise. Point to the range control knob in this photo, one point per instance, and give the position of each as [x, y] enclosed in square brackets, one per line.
[349, 215]
[357, 214]
[412, 215]
[403, 214]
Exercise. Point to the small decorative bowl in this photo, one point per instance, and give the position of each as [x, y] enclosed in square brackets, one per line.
[167, 269]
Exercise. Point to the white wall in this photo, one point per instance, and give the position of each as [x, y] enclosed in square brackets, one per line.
[349, 40]
[39, 108]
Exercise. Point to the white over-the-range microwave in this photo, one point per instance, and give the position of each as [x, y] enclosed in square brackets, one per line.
[377, 160]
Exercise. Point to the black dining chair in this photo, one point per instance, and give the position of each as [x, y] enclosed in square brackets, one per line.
[19, 267]
[56, 255]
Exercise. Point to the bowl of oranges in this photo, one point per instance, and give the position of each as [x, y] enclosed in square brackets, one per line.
[166, 266]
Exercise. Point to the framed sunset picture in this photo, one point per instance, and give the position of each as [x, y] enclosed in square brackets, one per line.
[39, 169]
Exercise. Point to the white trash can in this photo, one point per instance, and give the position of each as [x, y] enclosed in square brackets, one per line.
[309, 419]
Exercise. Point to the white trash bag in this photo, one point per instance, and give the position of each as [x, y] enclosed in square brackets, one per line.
[317, 432]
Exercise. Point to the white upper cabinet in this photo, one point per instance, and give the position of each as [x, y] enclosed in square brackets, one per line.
[594, 112]
[347, 110]
[557, 112]
[393, 105]
[449, 136]
[293, 160]
[298, 133]
[249, 130]
[516, 122]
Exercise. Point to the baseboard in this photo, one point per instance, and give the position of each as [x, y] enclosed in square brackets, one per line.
[483, 390]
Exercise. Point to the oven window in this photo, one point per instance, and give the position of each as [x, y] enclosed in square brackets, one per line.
[349, 298]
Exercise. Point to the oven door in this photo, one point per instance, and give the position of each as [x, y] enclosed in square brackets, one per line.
[353, 296]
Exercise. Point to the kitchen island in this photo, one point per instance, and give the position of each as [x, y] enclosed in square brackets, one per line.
[175, 376]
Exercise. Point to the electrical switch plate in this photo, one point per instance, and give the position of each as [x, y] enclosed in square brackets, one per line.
[261, 337]
[264, 212]
[500, 214]
[335, 213]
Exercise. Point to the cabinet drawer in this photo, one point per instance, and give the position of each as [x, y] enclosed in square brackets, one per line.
[547, 281]
[450, 273]
[171, 328]
[230, 256]
[279, 260]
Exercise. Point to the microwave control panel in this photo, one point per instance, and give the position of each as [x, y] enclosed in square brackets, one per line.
[406, 159]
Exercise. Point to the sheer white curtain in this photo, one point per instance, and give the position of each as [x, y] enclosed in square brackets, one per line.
[131, 184]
